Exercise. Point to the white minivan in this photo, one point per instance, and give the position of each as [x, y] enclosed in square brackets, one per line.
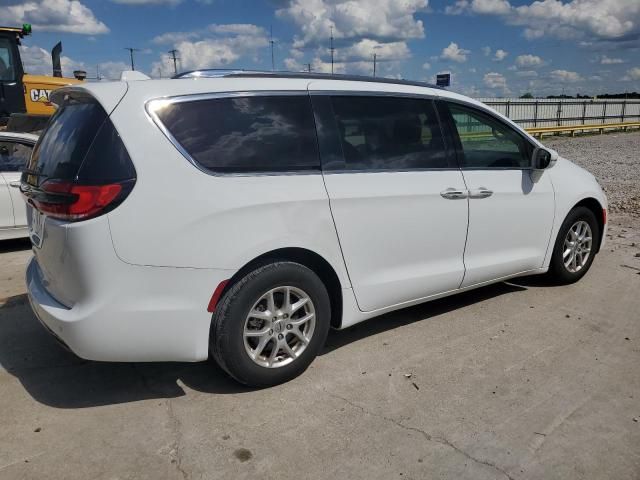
[241, 215]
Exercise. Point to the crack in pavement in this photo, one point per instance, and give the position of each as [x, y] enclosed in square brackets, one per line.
[174, 452]
[431, 438]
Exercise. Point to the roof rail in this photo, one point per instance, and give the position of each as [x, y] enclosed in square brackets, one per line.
[237, 73]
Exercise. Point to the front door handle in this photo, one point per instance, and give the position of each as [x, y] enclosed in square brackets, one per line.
[481, 192]
[15, 184]
[453, 194]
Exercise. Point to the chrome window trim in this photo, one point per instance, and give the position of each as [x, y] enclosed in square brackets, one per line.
[150, 110]
[373, 93]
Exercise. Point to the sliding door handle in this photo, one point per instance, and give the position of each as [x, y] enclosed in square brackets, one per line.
[453, 194]
[481, 192]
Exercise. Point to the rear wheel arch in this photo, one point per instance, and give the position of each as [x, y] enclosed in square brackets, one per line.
[312, 260]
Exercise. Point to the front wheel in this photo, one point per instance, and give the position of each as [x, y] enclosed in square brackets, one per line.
[575, 246]
[271, 324]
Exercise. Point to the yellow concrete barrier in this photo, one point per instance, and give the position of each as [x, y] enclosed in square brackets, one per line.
[539, 131]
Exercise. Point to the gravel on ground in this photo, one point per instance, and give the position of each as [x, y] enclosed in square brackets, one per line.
[614, 159]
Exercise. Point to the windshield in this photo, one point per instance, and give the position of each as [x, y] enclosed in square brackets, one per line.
[7, 64]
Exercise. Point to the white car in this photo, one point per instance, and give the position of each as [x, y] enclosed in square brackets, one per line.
[15, 150]
[244, 214]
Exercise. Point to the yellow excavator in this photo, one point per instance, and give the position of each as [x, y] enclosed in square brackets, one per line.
[24, 98]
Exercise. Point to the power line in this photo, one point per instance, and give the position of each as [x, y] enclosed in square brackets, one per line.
[175, 59]
[131, 50]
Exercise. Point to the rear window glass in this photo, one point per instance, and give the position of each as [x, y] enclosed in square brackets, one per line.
[80, 143]
[14, 156]
[246, 134]
[66, 140]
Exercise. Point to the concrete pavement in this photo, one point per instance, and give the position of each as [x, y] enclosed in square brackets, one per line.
[517, 380]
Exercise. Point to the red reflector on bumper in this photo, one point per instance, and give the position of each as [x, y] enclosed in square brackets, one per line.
[604, 216]
[217, 293]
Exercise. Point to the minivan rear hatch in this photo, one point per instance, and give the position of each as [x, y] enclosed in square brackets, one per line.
[79, 170]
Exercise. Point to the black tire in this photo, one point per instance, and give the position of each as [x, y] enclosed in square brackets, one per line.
[558, 273]
[226, 339]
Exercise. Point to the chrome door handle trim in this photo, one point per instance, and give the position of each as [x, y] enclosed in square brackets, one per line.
[454, 194]
[15, 184]
[481, 192]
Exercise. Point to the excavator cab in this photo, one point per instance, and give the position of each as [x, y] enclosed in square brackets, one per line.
[24, 98]
[12, 98]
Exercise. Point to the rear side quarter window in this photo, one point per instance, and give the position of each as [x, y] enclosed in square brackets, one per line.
[244, 134]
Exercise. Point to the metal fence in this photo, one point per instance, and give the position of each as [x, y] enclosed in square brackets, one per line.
[531, 113]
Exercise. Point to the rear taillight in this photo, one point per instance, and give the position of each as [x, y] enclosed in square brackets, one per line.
[73, 202]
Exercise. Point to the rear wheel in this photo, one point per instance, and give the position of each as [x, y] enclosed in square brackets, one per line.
[271, 324]
[575, 246]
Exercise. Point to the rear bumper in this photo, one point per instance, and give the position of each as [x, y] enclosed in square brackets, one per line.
[147, 314]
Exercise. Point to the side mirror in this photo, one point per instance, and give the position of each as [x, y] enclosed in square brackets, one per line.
[543, 158]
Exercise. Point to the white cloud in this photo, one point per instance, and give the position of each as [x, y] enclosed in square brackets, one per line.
[381, 19]
[365, 48]
[37, 61]
[360, 29]
[632, 74]
[70, 16]
[527, 74]
[293, 65]
[496, 7]
[500, 55]
[215, 29]
[170, 38]
[458, 8]
[565, 76]
[601, 19]
[148, 2]
[529, 60]
[426, 66]
[112, 70]
[486, 51]
[454, 53]
[610, 61]
[236, 29]
[215, 46]
[495, 80]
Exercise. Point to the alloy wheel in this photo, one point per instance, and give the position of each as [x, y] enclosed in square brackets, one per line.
[577, 246]
[279, 326]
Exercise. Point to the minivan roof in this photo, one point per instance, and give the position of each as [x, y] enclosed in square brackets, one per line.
[225, 73]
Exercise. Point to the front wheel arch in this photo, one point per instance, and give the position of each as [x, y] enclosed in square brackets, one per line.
[598, 211]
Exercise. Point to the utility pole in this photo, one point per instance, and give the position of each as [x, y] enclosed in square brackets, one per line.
[308, 67]
[173, 55]
[273, 63]
[98, 77]
[131, 50]
[332, 50]
[375, 56]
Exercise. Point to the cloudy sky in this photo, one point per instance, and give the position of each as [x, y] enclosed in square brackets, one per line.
[491, 47]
